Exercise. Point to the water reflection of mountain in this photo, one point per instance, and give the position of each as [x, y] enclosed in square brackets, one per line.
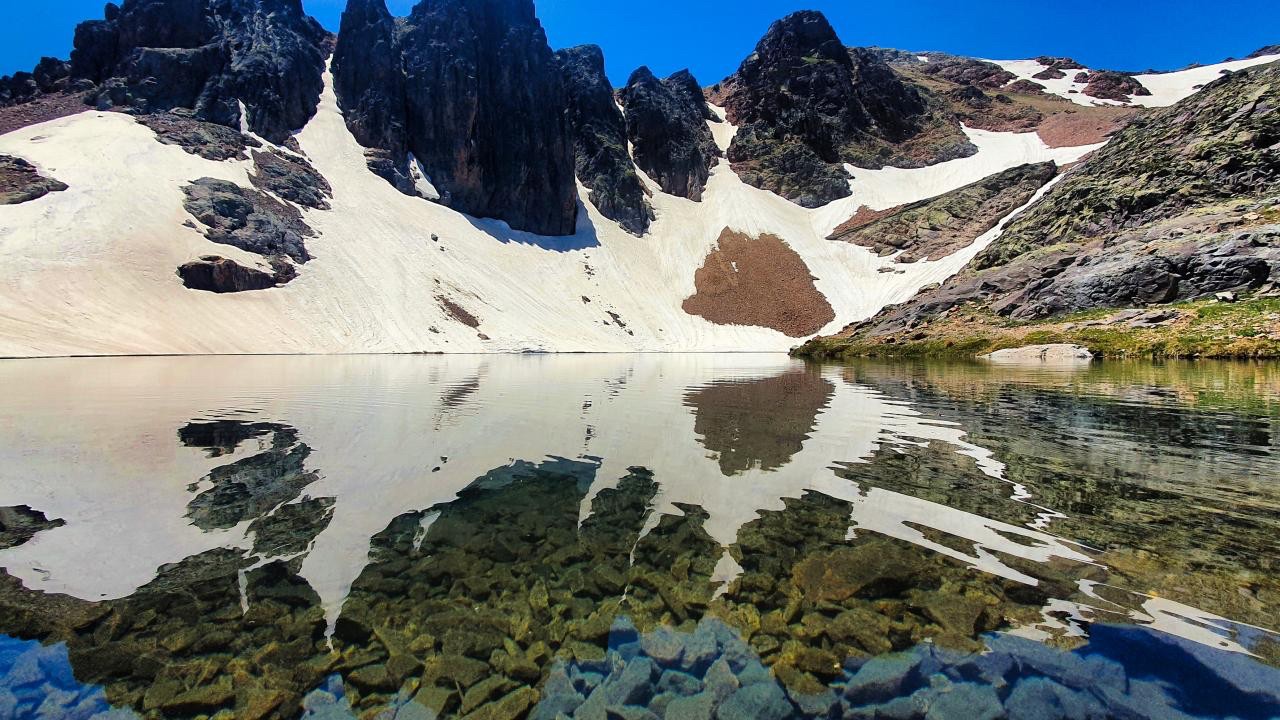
[341, 521]
[759, 423]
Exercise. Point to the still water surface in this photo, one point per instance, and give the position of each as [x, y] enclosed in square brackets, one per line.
[618, 537]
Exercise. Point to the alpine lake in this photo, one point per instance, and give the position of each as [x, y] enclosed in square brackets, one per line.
[630, 537]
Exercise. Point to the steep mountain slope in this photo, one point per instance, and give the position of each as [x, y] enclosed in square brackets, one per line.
[1182, 204]
[806, 104]
[396, 215]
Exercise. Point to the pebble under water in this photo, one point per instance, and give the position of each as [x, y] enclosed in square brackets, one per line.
[636, 537]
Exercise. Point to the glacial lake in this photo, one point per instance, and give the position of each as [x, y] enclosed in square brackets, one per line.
[632, 537]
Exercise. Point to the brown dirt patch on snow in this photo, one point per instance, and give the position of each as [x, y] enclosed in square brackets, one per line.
[457, 312]
[760, 282]
[1086, 126]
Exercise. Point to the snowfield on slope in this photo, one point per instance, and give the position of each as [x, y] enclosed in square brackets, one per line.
[91, 271]
[1166, 88]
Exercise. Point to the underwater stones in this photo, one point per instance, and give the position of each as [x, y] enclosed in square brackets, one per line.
[664, 645]
[967, 700]
[763, 701]
[881, 679]
[694, 707]
[1039, 698]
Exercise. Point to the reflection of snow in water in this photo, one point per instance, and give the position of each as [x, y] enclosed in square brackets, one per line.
[93, 442]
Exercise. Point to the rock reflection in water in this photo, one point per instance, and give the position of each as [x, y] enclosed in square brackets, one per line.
[394, 536]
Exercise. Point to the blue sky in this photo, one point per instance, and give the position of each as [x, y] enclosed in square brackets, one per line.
[712, 37]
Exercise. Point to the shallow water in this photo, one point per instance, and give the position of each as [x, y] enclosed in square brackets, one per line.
[696, 536]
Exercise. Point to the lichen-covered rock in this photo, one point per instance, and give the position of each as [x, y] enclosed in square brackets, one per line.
[20, 181]
[600, 141]
[291, 178]
[208, 140]
[215, 274]
[209, 57]
[965, 71]
[20, 523]
[806, 105]
[247, 219]
[938, 227]
[666, 124]
[1107, 85]
[1217, 145]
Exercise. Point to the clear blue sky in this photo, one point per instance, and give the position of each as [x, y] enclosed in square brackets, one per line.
[712, 36]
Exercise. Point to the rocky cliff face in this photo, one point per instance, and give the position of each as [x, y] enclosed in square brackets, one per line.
[472, 90]
[602, 161]
[667, 127]
[209, 56]
[1182, 204]
[805, 105]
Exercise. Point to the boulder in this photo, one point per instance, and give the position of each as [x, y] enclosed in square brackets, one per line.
[1047, 354]
[20, 182]
[215, 274]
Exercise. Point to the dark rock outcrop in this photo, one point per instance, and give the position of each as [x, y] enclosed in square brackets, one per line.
[208, 140]
[602, 161]
[1107, 85]
[21, 523]
[369, 82]
[209, 57]
[21, 182]
[1059, 63]
[50, 76]
[291, 178]
[667, 127]
[1025, 87]
[1265, 52]
[250, 220]
[940, 226]
[805, 105]
[472, 90]
[966, 71]
[215, 274]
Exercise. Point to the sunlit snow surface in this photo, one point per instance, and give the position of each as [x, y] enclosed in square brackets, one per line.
[92, 270]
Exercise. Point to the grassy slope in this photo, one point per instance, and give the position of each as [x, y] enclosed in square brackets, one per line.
[1205, 329]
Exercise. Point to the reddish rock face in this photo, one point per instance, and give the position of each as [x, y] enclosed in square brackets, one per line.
[761, 282]
[1108, 85]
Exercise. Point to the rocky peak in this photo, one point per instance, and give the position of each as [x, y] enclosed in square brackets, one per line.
[444, 84]
[602, 162]
[208, 56]
[667, 127]
[805, 105]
